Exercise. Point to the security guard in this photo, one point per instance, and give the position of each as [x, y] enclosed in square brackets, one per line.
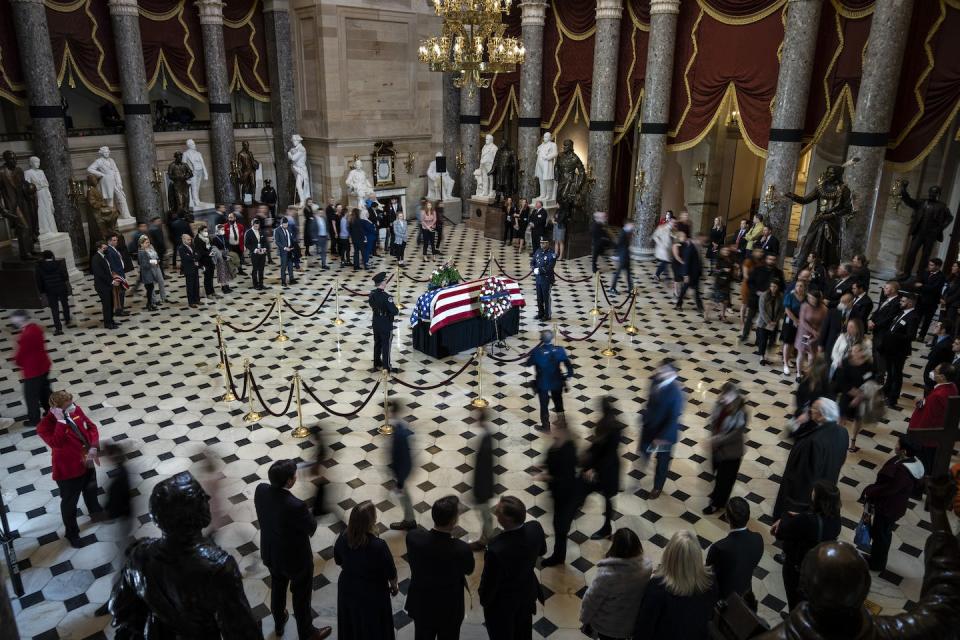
[381, 303]
[543, 261]
[546, 359]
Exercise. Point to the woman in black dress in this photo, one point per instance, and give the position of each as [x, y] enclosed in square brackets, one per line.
[601, 462]
[812, 385]
[855, 370]
[560, 474]
[520, 222]
[368, 577]
[510, 211]
[679, 239]
[718, 234]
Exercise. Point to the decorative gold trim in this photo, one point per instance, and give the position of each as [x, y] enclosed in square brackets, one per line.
[162, 62]
[909, 165]
[511, 104]
[628, 123]
[562, 31]
[107, 91]
[741, 20]
[576, 102]
[852, 14]
[262, 94]
[844, 99]
[729, 95]
[686, 74]
[162, 17]
[71, 63]
[64, 8]
[635, 19]
[237, 24]
[633, 107]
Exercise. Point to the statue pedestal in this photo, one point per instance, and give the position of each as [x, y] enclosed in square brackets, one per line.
[453, 210]
[486, 199]
[476, 214]
[493, 227]
[59, 244]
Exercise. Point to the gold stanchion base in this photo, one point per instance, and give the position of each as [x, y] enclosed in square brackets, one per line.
[608, 352]
[219, 365]
[632, 330]
[228, 397]
[253, 416]
[479, 403]
[281, 338]
[300, 432]
[400, 305]
[595, 311]
[338, 321]
[385, 429]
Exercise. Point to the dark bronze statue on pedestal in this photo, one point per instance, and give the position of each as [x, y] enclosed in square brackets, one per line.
[178, 191]
[930, 218]
[505, 171]
[833, 205]
[15, 205]
[247, 167]
[571, 177]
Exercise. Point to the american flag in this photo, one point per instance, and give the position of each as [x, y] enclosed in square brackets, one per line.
[448, 305]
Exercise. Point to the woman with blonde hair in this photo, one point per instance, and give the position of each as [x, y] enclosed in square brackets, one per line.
[679, 600]
[368, 578]
[150, 274]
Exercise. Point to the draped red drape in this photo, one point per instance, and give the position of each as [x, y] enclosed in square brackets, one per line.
[245, 44]
[621, 180]
[172, 45]
[82, 40]
[11, 79]
[502, 98]
[568, 40]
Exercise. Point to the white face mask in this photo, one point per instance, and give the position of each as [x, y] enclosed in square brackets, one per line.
[842, 307]
[204, 234]
[933, 376]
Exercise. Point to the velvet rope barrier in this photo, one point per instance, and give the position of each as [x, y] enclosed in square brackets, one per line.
[600, 322]
[397, 380]
[517, 359]
[328, 409]
[609, 303]
[266, 407]
[626, 314]
[560, 277]
[486, 267]
[258, 325]
[233, 389]
[312, 313]
[504, 272]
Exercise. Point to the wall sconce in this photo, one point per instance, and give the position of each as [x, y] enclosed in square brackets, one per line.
[461, 163]
[896, 192]
[700, 173]
[640, 182]
[770, 198]
[410, 162]
[734, 119]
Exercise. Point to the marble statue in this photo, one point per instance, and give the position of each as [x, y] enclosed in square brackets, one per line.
[833, 205]
[194, 160]
[487, 155]
[111, 185]
[505, 171]
[15, 205]
[481, 187]
[358, 185]
[104, 214]
[570, 177]
[440, 184]
[179, 175]
[42, 200]
[247, 167]
[180, 585]
[929, 220]
[298, 167]
[546, 160]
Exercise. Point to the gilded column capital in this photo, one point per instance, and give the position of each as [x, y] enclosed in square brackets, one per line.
[211, 11]
[533, 13]
[609, 9]
[664, 6]
[124, 8]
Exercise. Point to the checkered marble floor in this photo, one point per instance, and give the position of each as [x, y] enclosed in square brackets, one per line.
[153, 386]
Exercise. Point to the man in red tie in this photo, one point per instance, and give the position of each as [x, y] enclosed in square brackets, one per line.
[31, 356]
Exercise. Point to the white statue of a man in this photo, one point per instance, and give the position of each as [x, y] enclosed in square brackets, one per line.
[435, 179]
[111, 185]
[298, 164]
[35, 176]
[358, 185]
[487, 155]
[546, 160]
[194, 160]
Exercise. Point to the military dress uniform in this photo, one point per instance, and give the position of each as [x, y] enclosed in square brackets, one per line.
[543, 262]
[384, 310]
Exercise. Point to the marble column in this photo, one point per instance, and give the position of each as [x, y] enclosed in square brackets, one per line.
[531, 85]
[283, 104]
[789, 109]
[871, 122]
[469, 139]
[49, 130]
[451, 131]
[137, 117]
[654, 114]
[222, 147]
[603, 99]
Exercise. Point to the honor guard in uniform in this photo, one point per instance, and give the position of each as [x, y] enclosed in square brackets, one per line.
[381, 303]
[546, 359]
[543, 261]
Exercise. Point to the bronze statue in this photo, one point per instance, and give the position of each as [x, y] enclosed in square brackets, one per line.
[930, 217]
[180, 585]
[505, 171]
[247, 166]
[104, 215]
[571, 177]
[15, 205]
[833, 205]
[178, 191]
[836, 580]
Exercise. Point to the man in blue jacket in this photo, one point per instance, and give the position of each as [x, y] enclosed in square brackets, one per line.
[550, 381]
[661, 422]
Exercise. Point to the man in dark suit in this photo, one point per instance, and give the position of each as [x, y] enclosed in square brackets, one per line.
[255, 242]
[735, 557]
[103, 283]
[509, 588]
[286, 525]
[840, 285]
[929, 287]
[941, 352]
[190, 268]
[439, 566]
[115, 260]
[897, 346]
[179, 227]
[692, 269]
[768, 242]
[835, 324]
[53, 283]
[599, 238]
[538, 225]
[757, 282]
[887, 309]
[483, 480]
[862, 305]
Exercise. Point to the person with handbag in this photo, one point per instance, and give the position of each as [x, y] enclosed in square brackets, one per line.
[889, 497]
[74, 441]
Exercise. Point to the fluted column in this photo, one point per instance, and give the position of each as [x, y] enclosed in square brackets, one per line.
[218, 93]
[789, 109]
[654, 114]
[283, 105]
[137, 117]
[469, 139]
[451, 129]
[603, 99]
[871, 121]
[43, 97]
[531, 86]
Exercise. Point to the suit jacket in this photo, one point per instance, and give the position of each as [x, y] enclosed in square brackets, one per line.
[286, 525]
[940, 352]
[250, 241]
[771, 245]
[733, 560]
[100, 268]
[928, 296]
[692, 261]
[883, 315]
[836, 289]
[508, 584]
[52, 278]
[861, 309]
[283, 240]
[68, 451]
[835, 324]
[899, 339]
[188, 260]
[538, 220]
[115, 260]
[439, 565]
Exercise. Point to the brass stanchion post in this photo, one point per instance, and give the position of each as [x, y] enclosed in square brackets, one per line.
[385, 429]
[228, 395]
[220, 342]
[399, 275]
[596, 295]
[479, 402]
[632, 328]
[609, 351]
[252, 416]
[301, 431]
[281, 336]
[556, 333]
[337, 320]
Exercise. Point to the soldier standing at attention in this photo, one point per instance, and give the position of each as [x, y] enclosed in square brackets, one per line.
[384, 310]
[543, 262]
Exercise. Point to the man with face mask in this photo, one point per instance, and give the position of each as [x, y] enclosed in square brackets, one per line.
[930, 217]
[31, 356]
[546, 358]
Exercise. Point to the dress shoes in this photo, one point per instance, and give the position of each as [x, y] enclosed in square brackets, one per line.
[321, 633]
[552, 561]
[655, 494]
[602, 534]
[281, 623]
[478, 545]
[709, 510]
[404, 525]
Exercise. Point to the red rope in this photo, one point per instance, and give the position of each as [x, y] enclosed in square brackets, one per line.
[397, 380]
[589, 335]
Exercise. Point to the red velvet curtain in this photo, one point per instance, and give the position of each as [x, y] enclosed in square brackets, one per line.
[11, 78]
[82, 41]
[740, 8]
[245, 44]
[632, 64]
[568, 39]
[621, 180]
[171, 34]
[503, 95]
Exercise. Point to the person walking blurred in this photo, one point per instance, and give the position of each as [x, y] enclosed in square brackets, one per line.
[601, 462]
[34, 363]
[728, 422]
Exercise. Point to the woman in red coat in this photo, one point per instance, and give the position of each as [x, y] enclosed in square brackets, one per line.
[74, 442]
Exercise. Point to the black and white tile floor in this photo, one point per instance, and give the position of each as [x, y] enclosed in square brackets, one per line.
[152, 385]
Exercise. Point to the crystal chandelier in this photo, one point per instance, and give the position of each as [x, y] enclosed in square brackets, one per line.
[472, 42]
